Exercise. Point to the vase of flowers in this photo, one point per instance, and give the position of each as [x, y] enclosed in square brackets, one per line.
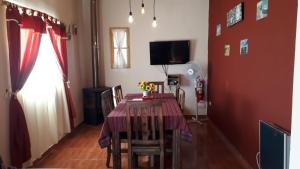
[147, 88]
[146, 93]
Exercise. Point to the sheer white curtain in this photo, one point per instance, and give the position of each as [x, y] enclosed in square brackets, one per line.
[120, 48]
[44, 101]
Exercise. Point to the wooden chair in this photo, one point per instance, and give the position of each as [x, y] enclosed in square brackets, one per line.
[159, 86]
[145, 130]
[107, 106]
[107, 103]
[180, 96]
[177, 92]
[118, 94]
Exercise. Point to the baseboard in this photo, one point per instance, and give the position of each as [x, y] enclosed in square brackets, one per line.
[231, 147]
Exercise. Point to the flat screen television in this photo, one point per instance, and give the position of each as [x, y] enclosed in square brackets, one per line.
[169, 52]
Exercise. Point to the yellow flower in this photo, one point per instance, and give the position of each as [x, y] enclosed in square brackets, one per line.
[151, 86]
[148, 88]
[142, 84]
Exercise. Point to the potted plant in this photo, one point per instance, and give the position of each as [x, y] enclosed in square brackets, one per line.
[147, 88]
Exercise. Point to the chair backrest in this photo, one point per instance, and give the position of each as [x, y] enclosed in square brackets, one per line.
[177, 92]
[118, 94]
[159, 86]
[180, 96]
[107, 102]
[145, 123]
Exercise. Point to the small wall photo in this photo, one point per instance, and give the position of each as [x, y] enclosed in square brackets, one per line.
[262, 9]
[235, 15]
[244, 47]
[227, 50]
[218, 30]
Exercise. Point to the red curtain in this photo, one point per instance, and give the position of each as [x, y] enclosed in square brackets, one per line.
[57, 35]
[21, 64]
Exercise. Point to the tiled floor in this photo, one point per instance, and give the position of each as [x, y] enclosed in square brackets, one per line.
[81, 150]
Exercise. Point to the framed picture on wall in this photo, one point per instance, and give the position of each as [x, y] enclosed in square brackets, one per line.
[226, 50]
[218, 30]
[244, 48]
[262, 9]
[235, 15]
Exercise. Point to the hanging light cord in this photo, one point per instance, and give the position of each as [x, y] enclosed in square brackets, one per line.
[154, 8]
[130, 5]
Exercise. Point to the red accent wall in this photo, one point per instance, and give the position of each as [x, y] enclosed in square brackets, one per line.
[244, 89]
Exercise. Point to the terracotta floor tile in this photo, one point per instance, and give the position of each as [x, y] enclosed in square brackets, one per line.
[80, 150]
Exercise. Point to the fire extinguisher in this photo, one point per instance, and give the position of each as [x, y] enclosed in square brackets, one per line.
[199, 90]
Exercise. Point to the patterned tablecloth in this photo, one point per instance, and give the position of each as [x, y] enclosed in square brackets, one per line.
[173, 118]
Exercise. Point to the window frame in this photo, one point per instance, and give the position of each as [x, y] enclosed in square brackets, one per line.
[112, 48]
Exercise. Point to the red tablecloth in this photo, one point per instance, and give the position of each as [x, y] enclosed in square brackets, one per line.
[173, 118]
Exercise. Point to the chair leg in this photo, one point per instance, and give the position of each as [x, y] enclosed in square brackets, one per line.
[162, 160]
[135, 161]
[108, 156]
[152, 161]
[130, 156]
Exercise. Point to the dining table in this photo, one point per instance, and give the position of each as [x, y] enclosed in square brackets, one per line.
[174, 121]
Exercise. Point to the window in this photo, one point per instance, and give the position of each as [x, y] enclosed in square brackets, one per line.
[44, 101]
[120, 50]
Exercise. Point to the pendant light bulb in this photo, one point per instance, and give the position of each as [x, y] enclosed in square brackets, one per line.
[130, 18]
[143, 9]
[154, 23]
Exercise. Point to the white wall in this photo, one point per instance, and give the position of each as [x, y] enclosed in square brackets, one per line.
[85, 42]
[66, 11]
[295, 136]
[177, 20]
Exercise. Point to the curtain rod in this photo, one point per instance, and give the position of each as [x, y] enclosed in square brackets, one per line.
[7, 3]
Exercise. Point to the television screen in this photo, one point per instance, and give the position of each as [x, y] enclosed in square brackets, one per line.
[169, 52]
